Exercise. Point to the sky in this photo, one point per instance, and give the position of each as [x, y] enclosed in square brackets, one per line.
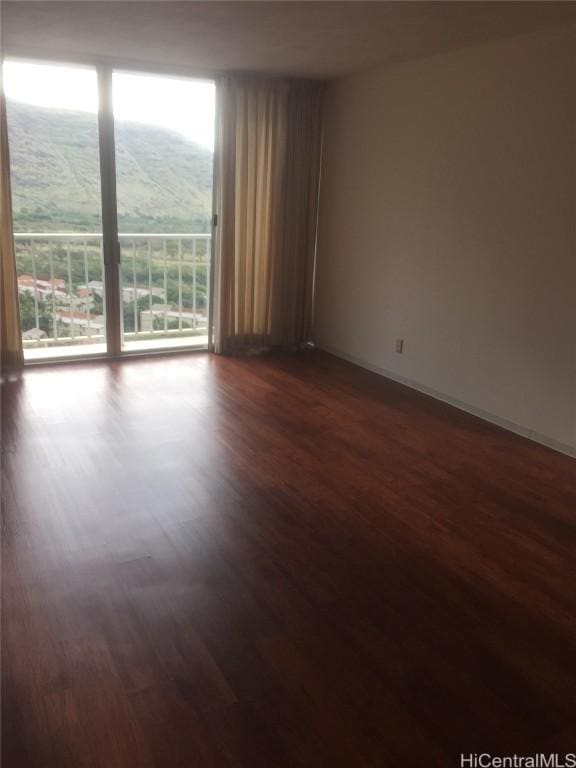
[183, 105]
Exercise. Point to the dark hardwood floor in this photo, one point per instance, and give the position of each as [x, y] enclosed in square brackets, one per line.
[278, 561]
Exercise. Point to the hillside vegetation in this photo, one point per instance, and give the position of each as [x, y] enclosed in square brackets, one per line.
[164, 181]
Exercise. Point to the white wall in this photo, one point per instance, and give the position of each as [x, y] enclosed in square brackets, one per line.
[448, 219]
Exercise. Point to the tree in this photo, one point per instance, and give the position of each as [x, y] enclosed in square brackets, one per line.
[97, 304]
[28, 313]
[142, 304]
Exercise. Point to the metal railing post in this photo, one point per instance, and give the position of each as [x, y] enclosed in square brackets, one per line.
[54, 317]
[165, 288]
[134, 291]
[70, 317]
[36, 313]
[194, 321]
[180, 284]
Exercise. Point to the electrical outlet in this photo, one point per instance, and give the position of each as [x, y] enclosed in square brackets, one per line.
[399, 346]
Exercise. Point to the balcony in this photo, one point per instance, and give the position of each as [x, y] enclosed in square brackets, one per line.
[164, 287]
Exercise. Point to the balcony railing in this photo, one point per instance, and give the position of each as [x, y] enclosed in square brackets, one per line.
[164, 284]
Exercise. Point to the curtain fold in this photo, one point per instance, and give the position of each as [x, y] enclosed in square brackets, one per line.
[268, 153]
[10, 333]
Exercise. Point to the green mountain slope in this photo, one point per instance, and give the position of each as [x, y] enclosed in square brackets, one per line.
[164, 181]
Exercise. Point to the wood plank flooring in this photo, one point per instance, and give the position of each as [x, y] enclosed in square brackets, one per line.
[282, 561]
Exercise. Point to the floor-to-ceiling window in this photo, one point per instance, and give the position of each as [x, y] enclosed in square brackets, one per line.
[151, 176]
[164, 139]
[55, 175]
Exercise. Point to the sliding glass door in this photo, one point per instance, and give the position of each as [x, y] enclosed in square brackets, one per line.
[55, 175]
[164, 141]
[112, 199]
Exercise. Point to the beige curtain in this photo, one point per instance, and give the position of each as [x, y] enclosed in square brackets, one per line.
[10, 334]
[268, 151]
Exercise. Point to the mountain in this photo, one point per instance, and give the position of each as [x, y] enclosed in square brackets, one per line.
[164, 181]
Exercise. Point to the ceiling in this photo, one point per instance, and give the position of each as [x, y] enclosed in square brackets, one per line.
[306, 39]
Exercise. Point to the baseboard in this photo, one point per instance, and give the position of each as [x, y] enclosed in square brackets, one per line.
[511, 426]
